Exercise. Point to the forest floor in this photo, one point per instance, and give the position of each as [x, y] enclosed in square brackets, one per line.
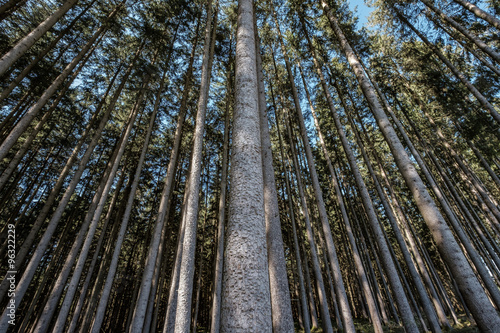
[364, 326]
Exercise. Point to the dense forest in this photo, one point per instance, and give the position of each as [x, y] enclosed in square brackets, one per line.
[249, 166]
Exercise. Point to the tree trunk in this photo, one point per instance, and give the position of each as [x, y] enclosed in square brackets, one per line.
[479, 43]
[29, 40]
[280, 294]
[480, 13]
[47, 94]
[216, 297]
[185, 290]
[246, 305]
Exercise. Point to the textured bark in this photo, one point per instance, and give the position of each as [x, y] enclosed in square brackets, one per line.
[280, 294]
[480, 13]
[24, 44]
[246, 305]
[477, 302]
[185, 290]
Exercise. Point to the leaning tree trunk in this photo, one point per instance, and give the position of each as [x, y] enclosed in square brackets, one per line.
[42, 54]
[374, 316]
[480, 13]
[101, 308]
[246, 305]
[479, 43]
[484, 313]
[484, 102]
[91, 222]
[43, 243]
[29, 40]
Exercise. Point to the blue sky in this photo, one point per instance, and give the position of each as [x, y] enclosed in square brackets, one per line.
[363, 11]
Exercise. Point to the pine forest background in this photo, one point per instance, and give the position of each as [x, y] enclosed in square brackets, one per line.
[249, 166]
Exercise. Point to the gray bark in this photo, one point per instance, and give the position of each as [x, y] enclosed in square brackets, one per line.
[480, 13]
[246, 304]
[24, 44]
[185, 291]
[280, 294]
[215, 314]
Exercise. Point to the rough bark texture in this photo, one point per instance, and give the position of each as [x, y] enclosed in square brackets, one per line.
[246, 305]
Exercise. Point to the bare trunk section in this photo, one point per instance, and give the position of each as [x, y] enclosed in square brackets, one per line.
[24, 44]
[246, 303]
[480, 13]
[215, 314]
[185, 290]
[280, 294]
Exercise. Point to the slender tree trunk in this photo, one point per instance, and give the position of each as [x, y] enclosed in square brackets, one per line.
[42, 54]
[185, 291]
[29, 140]
[24, 44]
[280, 294]
[479, 43]
[101, 308]
[479, 13]
[246, 305]
[21, 126]
[332, 253]
[91, 222]
[374, 316]
[28, 242]
[216, 296]
[152, 259]
[484, 102]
